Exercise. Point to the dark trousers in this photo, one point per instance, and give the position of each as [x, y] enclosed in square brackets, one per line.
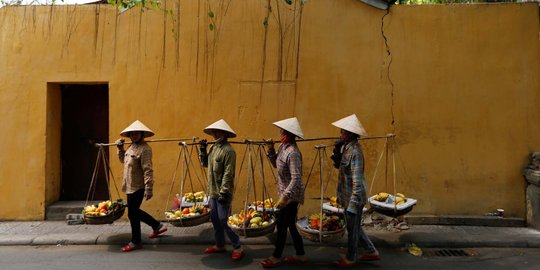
[136, 215]
[286, 219]
[219, 216]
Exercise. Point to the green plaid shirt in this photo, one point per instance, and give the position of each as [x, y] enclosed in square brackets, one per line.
[351, 190]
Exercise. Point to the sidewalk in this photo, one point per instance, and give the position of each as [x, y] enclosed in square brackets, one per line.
[118, 233]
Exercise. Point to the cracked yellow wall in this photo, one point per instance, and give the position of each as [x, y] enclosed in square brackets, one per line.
[458, 84]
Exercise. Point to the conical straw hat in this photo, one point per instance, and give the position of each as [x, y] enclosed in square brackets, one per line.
[291, 125]
[352, 124]
[137, 126]
[220, 125]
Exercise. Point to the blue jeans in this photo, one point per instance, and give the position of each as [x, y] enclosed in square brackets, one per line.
[219, 216]
[356, 235]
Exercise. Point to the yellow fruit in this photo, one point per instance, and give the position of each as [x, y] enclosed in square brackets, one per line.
[399, 200]
[266, 223]
[255, 220]
[178, 213]
[383, 195]
[253, 225]
[400, 195]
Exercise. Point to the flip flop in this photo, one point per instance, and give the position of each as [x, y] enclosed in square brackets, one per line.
[342, 263]
[213, 249]
[237, 255]
[370, 257]
[131, 247]
[159, 231]
[268, 263]
[293, 260]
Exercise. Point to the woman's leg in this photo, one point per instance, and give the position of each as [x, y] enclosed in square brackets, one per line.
[281, 224]
[219, 235]
[353, 226]
[134, 201]
[364, 239]
[291, 223]
[224, 210]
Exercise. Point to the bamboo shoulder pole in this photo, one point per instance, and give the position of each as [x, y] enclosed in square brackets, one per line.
[182, 141]
[151, 141]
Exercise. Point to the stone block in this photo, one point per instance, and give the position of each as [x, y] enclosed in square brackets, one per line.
[533, 206]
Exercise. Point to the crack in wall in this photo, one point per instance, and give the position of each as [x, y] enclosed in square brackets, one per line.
[389, 55]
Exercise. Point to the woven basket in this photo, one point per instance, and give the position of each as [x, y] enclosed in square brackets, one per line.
[108, 219]
[255, 232]
[191, 221]
[313, 235]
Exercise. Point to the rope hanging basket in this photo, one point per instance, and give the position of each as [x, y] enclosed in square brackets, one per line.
[315, 235]
[112, 212]
[192, 208]
[106, 212]
[391, 205]
[188, 220]
[256, 219]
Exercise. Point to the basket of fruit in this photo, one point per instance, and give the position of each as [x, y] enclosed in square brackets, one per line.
[253, 224]
[333, 228]
[267, 205]
[189, 216]
[105, 212]
[198, 198]
[391, 205]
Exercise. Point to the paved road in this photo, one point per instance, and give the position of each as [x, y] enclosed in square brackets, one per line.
[104, 257]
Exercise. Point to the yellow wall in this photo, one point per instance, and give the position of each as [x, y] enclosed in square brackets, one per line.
[458, 84]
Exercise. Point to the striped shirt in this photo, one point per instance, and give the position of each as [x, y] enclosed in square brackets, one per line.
[352, 183]
[138, 172]
[288, 162]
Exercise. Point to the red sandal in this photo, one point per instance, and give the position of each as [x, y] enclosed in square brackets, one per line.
[293, 260]
[268, 263]
[131, 247]
[342, 263]
[237, 255]
[214, 249]
[159, 231]
[370, 257]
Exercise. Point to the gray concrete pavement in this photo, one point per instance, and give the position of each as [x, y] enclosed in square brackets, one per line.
[118, 233]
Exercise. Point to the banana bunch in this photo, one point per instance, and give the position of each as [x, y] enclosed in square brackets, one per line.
[333, 202]
[399, 198]
[381, 197]
[194, 197]
[268, 203]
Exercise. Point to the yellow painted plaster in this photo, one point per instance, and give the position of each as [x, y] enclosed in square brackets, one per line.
[458, 84]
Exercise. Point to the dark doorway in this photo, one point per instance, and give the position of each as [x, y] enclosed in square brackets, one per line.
[85, 121]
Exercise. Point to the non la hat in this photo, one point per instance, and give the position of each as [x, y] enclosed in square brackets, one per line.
[351, 124]
[291, 125]
[137, 126]
[220, 125]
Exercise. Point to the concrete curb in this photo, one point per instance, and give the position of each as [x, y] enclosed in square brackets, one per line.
[429, 236]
